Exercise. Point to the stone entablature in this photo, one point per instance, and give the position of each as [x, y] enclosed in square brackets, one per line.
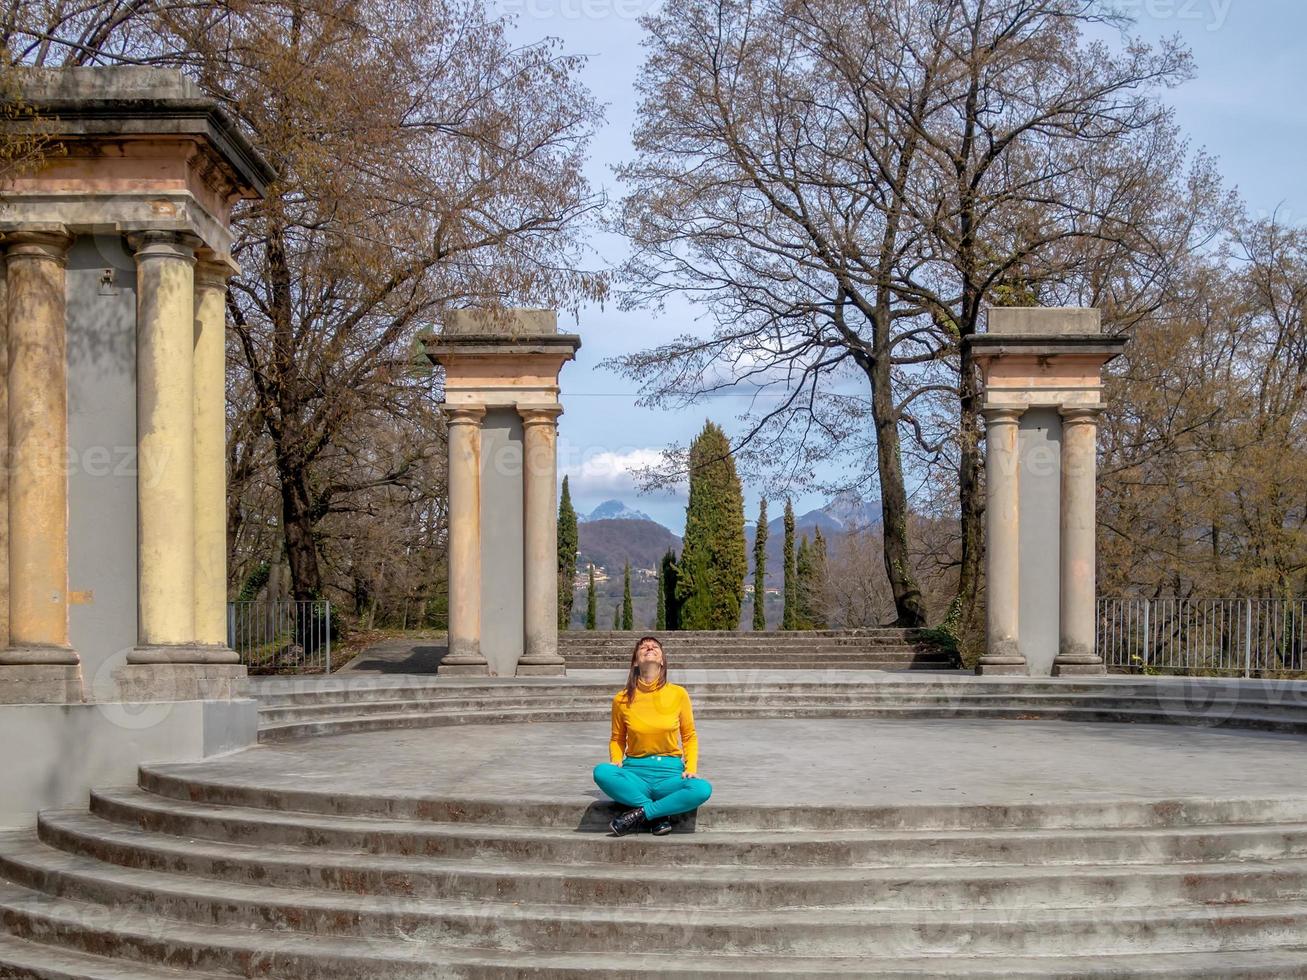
[501, 385]
[133, 150]
[1041, 392]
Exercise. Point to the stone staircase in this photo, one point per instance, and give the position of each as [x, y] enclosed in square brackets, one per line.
[872, 648]
[219, 876]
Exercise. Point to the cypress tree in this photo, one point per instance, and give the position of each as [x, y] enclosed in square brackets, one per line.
[568, 543]
[710, 586]
[790, 610]
[660, 603]
[628, 611]
[590, 601]
[617, 617]
[803, 586]
[817, 562]
[671, 605]
[760, 569]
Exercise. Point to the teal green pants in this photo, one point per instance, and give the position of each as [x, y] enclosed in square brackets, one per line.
[653, 782]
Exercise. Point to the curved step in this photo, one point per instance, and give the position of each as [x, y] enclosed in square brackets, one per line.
[579, 813]
[562, 929]
[753, 886]
[840, 848]
[1261, 721]
[143, 941]
[21, 959]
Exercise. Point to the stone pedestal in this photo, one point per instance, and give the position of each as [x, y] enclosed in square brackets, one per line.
[501, 406]
[1041, 373]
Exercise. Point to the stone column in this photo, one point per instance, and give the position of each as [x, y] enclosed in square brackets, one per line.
[540, 558]
[165, 448]
[1002, 544]
[210, 414]
[1077, 600]
[464, 428]
[37, 385]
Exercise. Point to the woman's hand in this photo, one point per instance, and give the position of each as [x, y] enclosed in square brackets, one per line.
[687, 775]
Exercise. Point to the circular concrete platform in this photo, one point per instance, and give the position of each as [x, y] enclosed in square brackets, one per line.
[798, 762]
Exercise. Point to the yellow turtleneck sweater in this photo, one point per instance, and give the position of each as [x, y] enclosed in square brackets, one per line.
[650, 725]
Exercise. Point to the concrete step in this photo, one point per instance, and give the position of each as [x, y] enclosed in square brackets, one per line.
[754, 886]
[141, 941]
[24, 960]
[583, 813]
[1201, 843]
[707, 702]
[558, 928]
[435, 717]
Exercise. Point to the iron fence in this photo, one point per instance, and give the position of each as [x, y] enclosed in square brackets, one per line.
[1251, 637]
[281, 636]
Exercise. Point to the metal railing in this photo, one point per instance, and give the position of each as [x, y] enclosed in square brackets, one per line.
[1251, 637]
[281, 636]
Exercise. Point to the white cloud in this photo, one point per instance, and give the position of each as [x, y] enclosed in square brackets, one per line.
[595, 472]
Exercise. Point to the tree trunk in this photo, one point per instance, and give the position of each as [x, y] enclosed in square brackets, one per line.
[297, 524]
[970, 504]
[909, 606]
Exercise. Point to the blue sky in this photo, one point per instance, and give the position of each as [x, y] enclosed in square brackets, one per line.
[1247, 106]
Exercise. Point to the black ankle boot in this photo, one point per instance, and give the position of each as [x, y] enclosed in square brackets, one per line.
[661, 826]
[627, 822]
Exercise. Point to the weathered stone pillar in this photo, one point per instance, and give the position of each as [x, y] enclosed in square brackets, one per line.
[38, 455]
[540, 565]
[464, 428]
[165, 446]
[1002, 544]
[1076, 646]
[210, 402]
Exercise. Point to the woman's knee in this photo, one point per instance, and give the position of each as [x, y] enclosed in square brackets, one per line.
[701, 788]
[606, 771]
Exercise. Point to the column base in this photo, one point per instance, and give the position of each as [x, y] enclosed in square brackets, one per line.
[1003, 666]
[463, 670]
[551, 669]
[39, 654]
[184, 653]
[40, 684]
[1074, 669]
[179, 682]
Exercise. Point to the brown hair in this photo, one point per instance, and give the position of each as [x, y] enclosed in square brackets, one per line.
[634, 675]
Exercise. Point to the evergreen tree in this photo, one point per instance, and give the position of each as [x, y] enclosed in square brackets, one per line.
[617, 617]
[590, 602]
[660, 603]
[710, 585]
[803, 586]
[817, 563]
[568, 543]
[760, 569]
[628, 611]
[790, 609]
[671, 605]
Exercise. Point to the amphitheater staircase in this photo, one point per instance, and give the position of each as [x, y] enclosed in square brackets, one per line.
[869, 648]
[189, 874]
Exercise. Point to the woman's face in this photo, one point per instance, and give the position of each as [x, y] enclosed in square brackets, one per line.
[649, 652]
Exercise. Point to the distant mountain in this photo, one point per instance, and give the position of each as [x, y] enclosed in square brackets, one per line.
[611, 510]
[844, 513]
[610, 543]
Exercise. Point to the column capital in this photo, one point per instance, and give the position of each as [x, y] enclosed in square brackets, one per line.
[163, 245]
[1080, 414]
[1002, 416]
[539, 414]
[211, 274]
[46, 241]
[463, 414]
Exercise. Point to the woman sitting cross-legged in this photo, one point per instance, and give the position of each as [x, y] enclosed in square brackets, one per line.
[651, 770]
